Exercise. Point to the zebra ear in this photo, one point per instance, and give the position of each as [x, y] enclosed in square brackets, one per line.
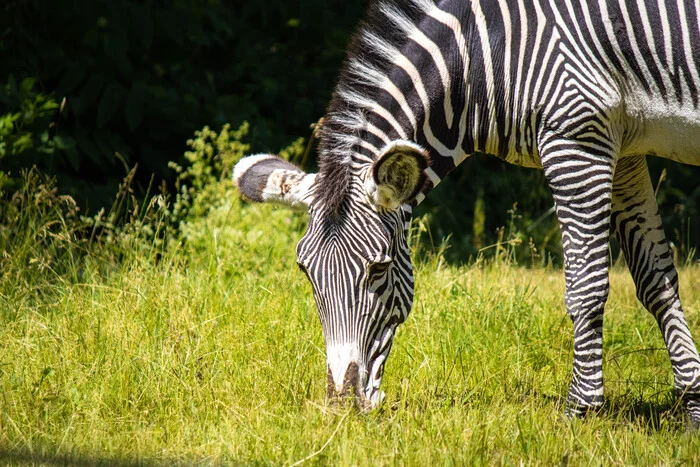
[266, 178]
[399, 174]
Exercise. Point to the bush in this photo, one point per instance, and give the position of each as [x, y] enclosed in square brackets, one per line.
[139, 77]
[45, 240]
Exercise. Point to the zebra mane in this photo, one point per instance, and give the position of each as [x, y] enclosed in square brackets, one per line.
[379, 38]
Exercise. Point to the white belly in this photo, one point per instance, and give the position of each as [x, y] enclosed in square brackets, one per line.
[671, 131]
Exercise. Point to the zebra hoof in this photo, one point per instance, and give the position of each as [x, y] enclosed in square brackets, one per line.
[579, 412]
[576, 412]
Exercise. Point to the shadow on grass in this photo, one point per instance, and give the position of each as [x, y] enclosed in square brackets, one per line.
[20, 457]
[666, 411]
[650, 414]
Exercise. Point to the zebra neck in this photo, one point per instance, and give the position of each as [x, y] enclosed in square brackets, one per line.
[419, 72]
[436, 88]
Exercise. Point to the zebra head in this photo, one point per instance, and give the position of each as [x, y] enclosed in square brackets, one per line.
[354, 253]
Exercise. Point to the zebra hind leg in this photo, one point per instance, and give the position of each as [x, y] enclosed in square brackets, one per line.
[636, 220]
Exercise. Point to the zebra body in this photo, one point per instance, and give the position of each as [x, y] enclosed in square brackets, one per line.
[493, 98]
[582, 89]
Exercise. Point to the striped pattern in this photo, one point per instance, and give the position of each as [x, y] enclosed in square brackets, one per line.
[637, 223]
[582, 89]
[362, 281]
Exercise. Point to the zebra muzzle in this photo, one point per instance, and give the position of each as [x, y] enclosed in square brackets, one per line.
[351, 390]
[348, 387]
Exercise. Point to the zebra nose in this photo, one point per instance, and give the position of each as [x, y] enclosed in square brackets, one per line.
[349, 387]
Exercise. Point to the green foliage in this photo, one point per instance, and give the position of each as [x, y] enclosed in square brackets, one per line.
[24, 130]
[44, 237]
[294, 152]
[18, 129]
[139, 77]
[207, 202]
[204, 181]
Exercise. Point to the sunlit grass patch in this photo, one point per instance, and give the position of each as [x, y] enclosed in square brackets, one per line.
[204, 348]
[193, 360]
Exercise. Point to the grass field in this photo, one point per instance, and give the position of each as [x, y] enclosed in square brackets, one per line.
[211, 353]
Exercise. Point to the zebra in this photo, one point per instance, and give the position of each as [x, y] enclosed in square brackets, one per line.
[583, 90]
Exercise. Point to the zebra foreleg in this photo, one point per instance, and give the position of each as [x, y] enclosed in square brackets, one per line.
[636, 220]
[581, 183]
[586, 294]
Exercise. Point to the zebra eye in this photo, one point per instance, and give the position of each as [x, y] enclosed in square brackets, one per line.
[376, 269]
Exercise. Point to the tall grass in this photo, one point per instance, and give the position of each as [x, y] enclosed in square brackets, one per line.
[204, 348]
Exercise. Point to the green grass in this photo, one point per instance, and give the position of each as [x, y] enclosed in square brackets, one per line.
[213, 354]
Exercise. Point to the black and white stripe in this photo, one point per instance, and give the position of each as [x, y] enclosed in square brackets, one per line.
[362, 281]
[582, 89]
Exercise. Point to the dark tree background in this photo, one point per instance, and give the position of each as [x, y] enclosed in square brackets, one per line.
[90, 88]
